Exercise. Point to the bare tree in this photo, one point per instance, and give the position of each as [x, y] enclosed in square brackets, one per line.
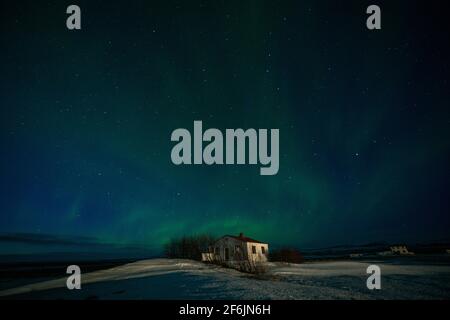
[188, 247]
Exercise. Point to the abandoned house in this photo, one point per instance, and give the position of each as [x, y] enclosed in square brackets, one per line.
[401, 250]
[231, 249]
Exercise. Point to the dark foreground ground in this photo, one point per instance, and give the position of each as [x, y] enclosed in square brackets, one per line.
[402, 278]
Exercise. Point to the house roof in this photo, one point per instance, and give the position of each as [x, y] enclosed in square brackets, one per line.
[241, 237]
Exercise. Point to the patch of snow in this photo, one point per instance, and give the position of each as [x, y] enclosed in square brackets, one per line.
[177, 278]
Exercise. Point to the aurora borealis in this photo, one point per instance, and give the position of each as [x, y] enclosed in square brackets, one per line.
[363, 116]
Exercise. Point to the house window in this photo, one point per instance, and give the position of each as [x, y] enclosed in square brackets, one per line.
[263, 250]
[253, 249]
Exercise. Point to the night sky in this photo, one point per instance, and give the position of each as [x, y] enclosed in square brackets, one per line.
[86, 119]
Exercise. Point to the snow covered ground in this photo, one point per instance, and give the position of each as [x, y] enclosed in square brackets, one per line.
[186, 279]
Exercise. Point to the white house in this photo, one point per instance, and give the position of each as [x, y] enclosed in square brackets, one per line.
[398, 249]
[237, 249]
[401, 250]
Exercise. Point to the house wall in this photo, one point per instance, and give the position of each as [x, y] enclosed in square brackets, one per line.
[230, 243]
[208, 257]
[259, 256]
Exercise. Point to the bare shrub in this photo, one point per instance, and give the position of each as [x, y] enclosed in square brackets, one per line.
[251, 266]
[286, 255]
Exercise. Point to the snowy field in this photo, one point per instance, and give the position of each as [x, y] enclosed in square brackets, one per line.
[186, 279]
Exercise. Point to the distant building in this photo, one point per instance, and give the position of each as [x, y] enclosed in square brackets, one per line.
[398, 249]
[401, 250]
[236, 249]
[356, 255]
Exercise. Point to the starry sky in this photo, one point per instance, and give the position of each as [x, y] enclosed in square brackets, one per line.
[86, 119]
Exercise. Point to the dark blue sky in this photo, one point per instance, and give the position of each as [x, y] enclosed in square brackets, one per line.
[86, 118]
